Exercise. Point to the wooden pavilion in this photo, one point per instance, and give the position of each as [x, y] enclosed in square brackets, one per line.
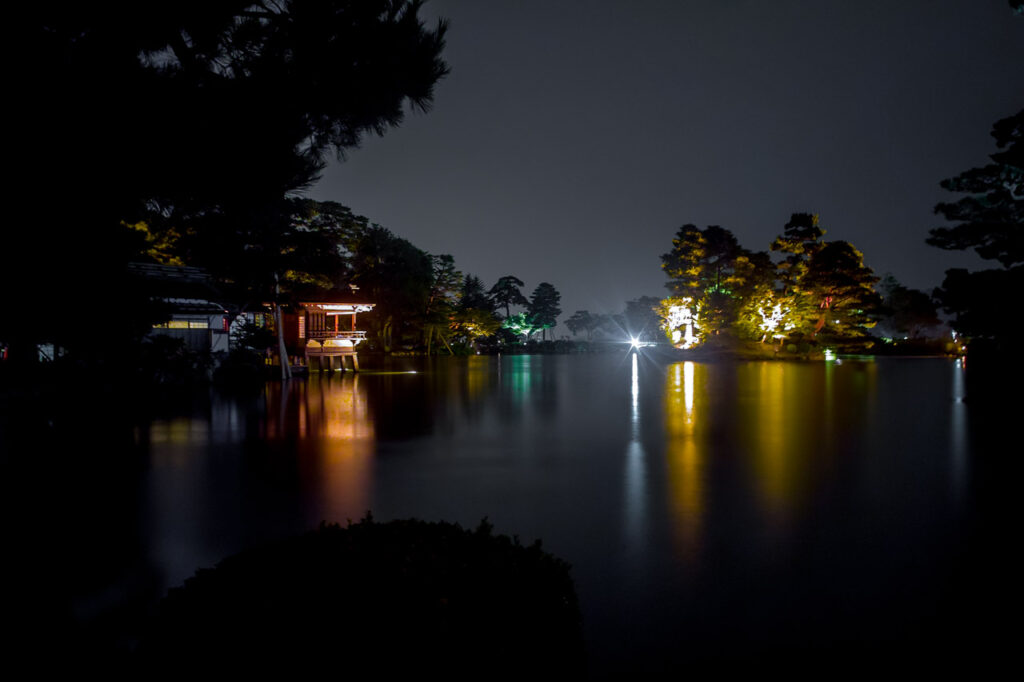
[323, 327]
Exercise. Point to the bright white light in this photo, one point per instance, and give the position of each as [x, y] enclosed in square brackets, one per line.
[769, 322]
[680, 316]
[830, 355]
[635, 342]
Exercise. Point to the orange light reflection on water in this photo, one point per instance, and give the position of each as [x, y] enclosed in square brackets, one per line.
[685, 459]
[330, 415]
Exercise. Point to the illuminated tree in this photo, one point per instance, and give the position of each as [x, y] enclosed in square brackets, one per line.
[684, 264]
[843, 287]
[800, 240]
[474, 316]
[711, 268]
[765, 317]
[681, 321]
[701, 260]
[473, 324]
[520, 324]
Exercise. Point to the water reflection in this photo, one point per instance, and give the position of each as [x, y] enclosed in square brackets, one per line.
[958, 430]
[635, 474]
[783, 428]
[530, 387]
[685, 459]
[331, 417]
[846, 489]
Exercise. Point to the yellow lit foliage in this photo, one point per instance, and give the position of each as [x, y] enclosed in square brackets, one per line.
[161, 244]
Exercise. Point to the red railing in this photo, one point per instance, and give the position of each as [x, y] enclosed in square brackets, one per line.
[325, 335]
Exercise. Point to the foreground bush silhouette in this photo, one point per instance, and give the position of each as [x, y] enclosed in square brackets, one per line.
[403, 597]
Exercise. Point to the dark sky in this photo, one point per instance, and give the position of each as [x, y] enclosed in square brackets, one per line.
[572, 139]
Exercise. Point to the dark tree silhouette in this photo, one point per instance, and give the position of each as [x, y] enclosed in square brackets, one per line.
[640, 319]
[397, 276]
[445, 284]
[506, 292]
[543, 310]
[991, 215]
[473, 295]
[194, 116]
[991, 221]
[579, 321]
[906, 312]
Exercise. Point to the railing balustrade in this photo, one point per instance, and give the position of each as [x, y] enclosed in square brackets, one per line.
[327, 334]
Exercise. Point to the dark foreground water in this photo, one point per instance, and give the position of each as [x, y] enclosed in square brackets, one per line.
[714, 514]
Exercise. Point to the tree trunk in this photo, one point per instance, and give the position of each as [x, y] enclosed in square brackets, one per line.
[286, 367]
[385, 334]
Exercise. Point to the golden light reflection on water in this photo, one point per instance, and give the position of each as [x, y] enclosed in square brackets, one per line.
[478, 376]
[778, 434]
[331, 414]
[171, 442]
[685, 463]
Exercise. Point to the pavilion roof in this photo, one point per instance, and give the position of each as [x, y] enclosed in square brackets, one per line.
[182, 289]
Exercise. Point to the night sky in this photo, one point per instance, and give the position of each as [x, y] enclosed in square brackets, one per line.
[572, 139]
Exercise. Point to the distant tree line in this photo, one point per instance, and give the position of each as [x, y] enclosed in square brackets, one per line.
[423, 302]
[721, 291]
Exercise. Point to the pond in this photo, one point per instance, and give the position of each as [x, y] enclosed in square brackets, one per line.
[741, 512]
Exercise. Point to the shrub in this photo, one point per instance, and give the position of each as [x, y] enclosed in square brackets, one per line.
[377, 599]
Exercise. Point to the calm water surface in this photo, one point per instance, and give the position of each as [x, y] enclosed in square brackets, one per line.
[711, 512]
